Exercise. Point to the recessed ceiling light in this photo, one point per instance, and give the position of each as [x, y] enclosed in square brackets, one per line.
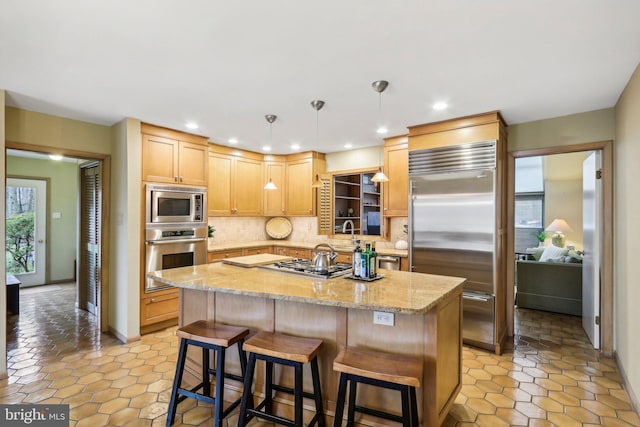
[232, 141]
[295, 146]
[55, 156]
[438, 106]
[192, 125]
[347, 146]
[266, 148]
[382, 130]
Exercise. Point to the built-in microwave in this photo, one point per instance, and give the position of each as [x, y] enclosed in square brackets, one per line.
[171, 205]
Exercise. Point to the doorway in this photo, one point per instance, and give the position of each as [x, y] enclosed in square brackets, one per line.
[606, 270]
[26, 230]
[62, 239]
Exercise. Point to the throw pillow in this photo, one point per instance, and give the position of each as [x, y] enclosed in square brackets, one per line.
[553, 251]
[536, 252]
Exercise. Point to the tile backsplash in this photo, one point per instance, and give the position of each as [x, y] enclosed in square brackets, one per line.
[304, 229]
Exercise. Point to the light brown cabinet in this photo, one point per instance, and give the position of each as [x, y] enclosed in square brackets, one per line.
[235, 184]
[396, 165]
[173, 157]
[294, 252]
[216, 256]
[301, 169]
[159, 307]
[274, 203]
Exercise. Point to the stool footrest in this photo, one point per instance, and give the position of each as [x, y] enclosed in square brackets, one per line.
[269, 417]
[377, 413]
[285, 389]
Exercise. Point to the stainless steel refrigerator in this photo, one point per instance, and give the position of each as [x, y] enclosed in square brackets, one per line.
[452, 227]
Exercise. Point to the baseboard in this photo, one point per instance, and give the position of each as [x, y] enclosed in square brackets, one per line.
[123, 338]
[627, 386]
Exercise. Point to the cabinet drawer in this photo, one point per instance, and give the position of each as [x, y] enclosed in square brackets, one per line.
[256, 251]
[299, 253]
[158, 309]
[220, 255]
[344, 257]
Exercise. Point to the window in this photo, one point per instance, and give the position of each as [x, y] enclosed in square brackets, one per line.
[529, 202]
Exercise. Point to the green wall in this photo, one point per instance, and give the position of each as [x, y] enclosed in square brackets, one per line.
[63, 198]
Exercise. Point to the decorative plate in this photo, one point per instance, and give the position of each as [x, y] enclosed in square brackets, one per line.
[278, 228]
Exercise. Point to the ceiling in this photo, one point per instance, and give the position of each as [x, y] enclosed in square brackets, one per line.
[225, 64]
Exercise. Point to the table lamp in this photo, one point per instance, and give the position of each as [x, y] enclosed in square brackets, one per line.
[559, 227]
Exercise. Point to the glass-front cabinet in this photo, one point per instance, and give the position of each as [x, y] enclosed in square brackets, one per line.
[356, 198]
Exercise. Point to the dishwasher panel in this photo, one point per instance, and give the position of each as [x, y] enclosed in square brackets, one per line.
[389, 262]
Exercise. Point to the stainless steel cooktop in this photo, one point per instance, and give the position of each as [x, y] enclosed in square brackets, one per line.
[304, 267]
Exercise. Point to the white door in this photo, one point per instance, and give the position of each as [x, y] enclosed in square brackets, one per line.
[26, 230]
[592, 241]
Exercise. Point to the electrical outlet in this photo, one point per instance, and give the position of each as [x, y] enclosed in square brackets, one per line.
[383, 318]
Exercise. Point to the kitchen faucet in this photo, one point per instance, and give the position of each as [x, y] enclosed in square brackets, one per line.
[344, 230]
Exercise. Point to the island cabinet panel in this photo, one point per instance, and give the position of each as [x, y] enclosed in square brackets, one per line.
[313, 309]
[159, 308]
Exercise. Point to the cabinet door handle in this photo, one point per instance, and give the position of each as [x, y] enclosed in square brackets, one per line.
[153, 300]
[175, 178]
[181, 179]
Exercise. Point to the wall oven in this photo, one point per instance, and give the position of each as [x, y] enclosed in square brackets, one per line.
[175, 205]
[172, 247]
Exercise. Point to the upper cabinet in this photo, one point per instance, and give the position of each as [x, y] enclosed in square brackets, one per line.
[301, 169]
[235, 182]
[274, 170]
[396, 166]
[173, 157]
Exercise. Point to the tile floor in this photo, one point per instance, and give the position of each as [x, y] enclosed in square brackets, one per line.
[552, 376]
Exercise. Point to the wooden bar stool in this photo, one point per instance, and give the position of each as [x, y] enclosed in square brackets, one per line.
[392, 371]
[289, 351]
[207, 335]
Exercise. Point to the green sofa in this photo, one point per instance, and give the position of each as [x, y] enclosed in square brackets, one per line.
[550, 286]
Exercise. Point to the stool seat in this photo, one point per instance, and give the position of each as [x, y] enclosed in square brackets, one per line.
[392, 368]
[212, 333]
[282, 346]
[375, 368]
[275, 348]
[210, 337]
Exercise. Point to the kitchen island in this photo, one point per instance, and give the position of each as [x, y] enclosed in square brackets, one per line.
[427, 320]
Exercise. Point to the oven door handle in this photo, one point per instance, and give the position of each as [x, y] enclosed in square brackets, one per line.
[167, 242]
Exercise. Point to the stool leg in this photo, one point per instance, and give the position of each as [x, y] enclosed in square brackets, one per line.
[268, 388]
[297, 395]
[217, 416]
[315, 376]
[177, 380]
[351, 410]
[414, 407]
[342, 393]
[406, 414]
[246, 390]
[206, 379]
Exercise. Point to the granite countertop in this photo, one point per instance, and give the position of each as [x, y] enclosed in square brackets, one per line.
[398, 292]
[212, 246]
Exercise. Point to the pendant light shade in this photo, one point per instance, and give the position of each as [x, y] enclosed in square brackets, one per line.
[316, 183]
[270, 185]
[270, 118]
[380, 176]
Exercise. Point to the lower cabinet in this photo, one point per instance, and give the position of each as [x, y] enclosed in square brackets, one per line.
[257, 251]
[159, 308]
[216, 256]
[294, 252]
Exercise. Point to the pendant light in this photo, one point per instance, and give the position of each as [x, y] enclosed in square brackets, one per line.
[270, 118]
[317, 105]
[379, 86]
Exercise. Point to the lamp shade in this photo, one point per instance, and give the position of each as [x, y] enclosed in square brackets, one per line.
[559, 225]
